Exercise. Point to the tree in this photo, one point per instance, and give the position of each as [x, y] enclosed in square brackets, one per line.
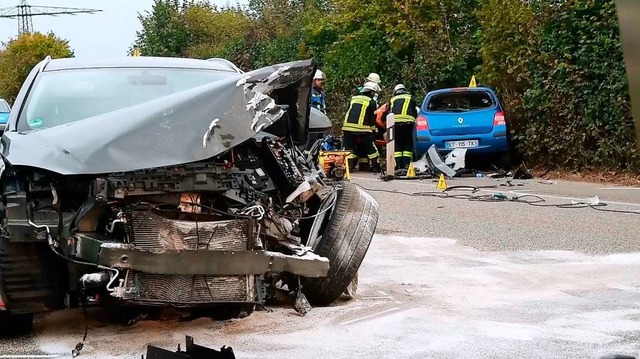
[577, 105]
[508, 47]
[214, 32]
[425, 44]
[509, 51]
[193, 29]
[163, 29]
[22, 54]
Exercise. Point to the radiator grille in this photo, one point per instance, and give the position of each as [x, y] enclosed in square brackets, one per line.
[189, 289]
[150, 231]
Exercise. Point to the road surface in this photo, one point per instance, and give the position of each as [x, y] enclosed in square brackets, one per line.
[444, 278]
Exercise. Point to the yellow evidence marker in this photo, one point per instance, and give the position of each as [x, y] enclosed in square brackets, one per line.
[472, 83]
[442, 183]
[411, 172]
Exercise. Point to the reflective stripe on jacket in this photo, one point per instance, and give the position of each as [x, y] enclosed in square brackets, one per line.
[360, 117]
[404, 108]
[318, 100]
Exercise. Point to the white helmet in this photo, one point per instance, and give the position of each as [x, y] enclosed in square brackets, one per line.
[371, 86]
[319, 75]
[374, 77]
[398, 88]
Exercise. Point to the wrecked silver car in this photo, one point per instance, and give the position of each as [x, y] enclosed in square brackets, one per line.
[169, 182]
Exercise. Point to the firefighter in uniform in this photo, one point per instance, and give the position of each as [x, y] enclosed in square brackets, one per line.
[359, 126]
[405, 111]
[373, 77]
[318, 97]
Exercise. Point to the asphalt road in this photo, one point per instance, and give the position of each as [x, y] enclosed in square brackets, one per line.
[444, 278]
[497, 226]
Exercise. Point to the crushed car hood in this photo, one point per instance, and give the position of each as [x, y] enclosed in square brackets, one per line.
[185, 127]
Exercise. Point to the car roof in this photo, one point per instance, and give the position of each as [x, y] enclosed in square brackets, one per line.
[460, 89]
[226, 63]
[137, 61]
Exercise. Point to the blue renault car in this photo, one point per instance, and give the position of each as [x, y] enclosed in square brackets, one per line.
[4, 114]
[465, 117]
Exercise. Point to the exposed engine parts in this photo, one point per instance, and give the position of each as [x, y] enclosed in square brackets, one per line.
[148, 232]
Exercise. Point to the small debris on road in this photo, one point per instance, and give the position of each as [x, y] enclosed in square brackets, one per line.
[548, 182]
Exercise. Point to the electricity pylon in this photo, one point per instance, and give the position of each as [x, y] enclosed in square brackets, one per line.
[25, 12]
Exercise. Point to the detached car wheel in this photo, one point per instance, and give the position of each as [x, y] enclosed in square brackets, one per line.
[15, 324]
[344, 241]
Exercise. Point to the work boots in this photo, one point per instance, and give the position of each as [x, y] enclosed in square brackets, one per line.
[352, 163]
[375, 166]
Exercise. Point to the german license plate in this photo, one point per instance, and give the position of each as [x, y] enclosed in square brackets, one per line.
[462, 144]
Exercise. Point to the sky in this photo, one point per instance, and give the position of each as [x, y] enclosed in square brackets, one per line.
[108, 33]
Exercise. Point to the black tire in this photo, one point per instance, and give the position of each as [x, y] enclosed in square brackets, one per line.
[345, 241]
[12, 325]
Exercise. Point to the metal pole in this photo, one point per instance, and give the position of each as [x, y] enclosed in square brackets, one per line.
[391, 145]
[628, 14]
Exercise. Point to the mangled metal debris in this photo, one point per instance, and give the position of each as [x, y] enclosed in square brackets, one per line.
[454, 164]
[264, 109]
[438, 163]
[210, 131]
[431, 164]
[192, 351]
[456, 159]
[422, 166]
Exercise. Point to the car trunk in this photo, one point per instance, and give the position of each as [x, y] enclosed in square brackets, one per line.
[461, 113]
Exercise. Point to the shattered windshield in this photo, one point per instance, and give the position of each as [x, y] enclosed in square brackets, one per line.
[460, 101]
[61, 97]
[4, 106]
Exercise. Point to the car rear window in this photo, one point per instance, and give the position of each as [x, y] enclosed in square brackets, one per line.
[460, 101]
[61, 97]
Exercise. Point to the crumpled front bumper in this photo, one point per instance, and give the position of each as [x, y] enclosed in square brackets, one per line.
[205, 262]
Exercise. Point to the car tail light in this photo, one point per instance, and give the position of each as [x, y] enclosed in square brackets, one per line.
[421, 123]
[498, 119]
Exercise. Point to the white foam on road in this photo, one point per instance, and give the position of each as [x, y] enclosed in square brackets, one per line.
[631, 259]
[453, 300]
[620, 188]
[542, 297]
[378, 314]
